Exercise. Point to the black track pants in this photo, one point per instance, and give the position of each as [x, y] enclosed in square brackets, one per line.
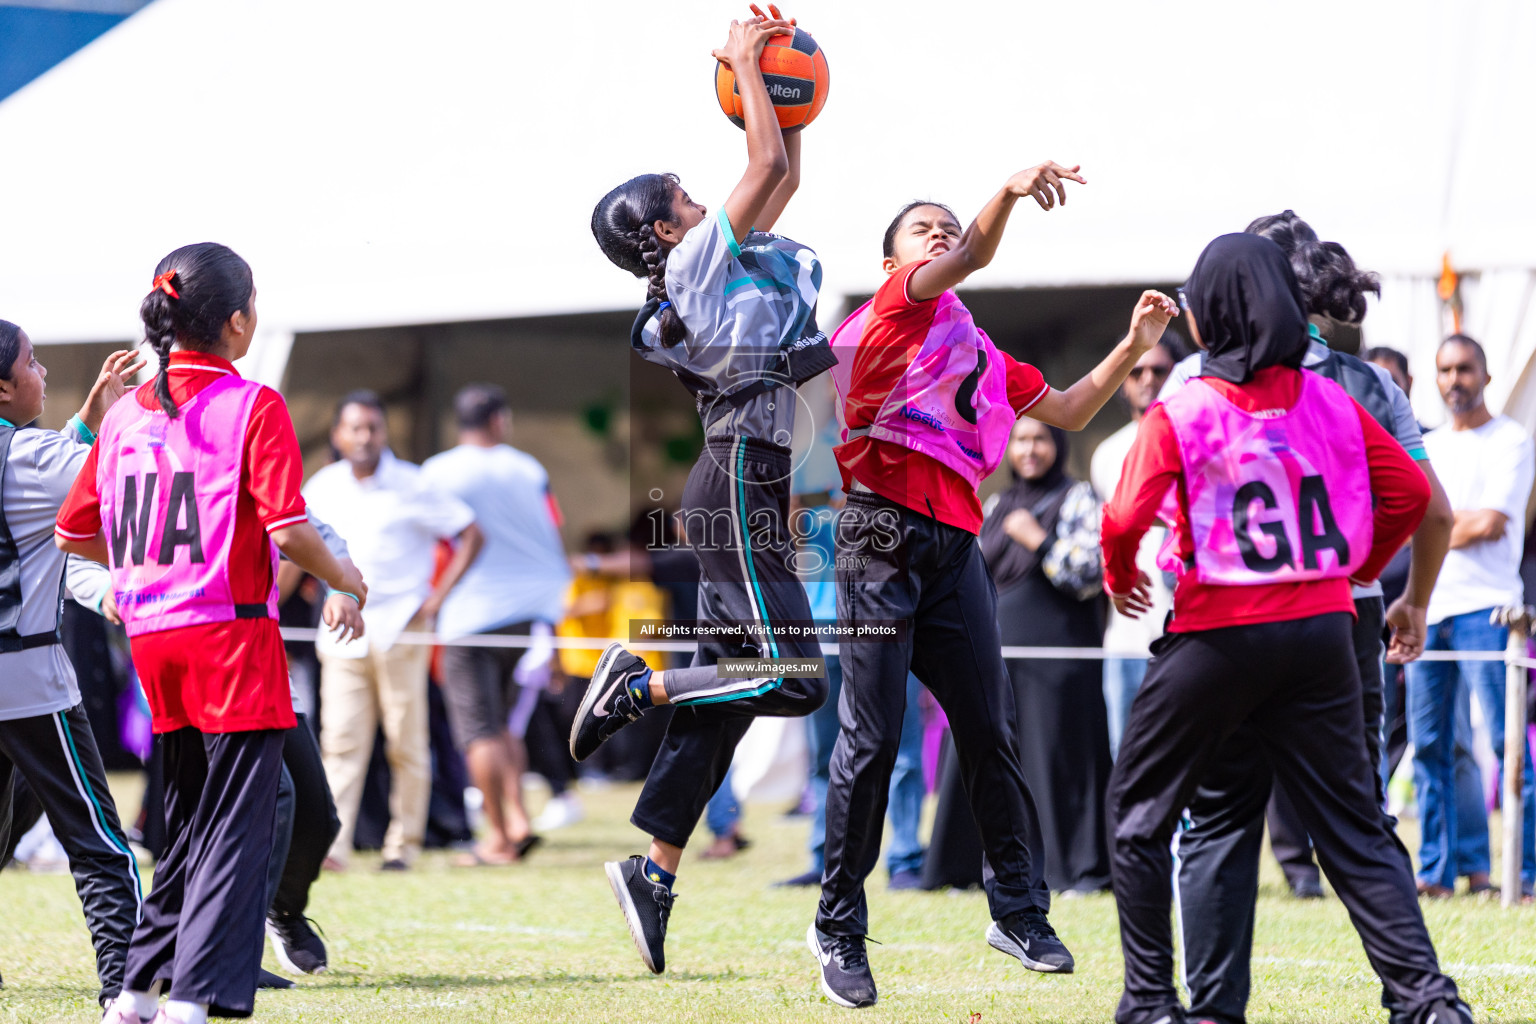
[57, 757]
[1296, 687]
[895, 565]
[735, 510]
[203, 920]
[1219, 855]
[306, 822]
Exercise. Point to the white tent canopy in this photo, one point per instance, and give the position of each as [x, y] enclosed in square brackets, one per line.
[389, 162]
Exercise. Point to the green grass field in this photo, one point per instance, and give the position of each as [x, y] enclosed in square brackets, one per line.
[545, 942]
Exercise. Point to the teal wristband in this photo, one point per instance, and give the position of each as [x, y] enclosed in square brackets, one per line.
[84, 432]
[354, 597]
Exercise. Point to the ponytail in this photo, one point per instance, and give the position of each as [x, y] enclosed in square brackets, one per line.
[196, 290]
[1330, 282]
[624, 225]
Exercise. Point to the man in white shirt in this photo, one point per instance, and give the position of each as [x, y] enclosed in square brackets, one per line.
[392, 521]
[1129, 641]
[517, 583]
[1486, 464]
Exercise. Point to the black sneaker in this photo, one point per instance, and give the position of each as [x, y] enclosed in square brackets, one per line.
[299, 950]
[607, 706]
[1445, 1011]
[1030, 937]
[646, 905]
[266, 979]
[845, 975]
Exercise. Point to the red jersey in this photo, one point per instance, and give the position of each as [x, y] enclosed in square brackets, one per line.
[1399, 487]
[892, 338]
[225, 676]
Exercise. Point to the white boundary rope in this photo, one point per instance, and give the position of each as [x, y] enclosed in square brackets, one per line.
[298, 635]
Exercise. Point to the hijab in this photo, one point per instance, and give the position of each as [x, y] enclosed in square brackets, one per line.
[1009, 560]
[1248, 308]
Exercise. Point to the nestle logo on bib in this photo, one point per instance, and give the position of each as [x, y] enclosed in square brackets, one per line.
[973, 453]
[925, 418]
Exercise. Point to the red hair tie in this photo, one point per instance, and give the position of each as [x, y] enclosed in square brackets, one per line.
[163, 283]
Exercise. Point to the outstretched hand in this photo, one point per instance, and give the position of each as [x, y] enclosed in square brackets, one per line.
[110, 385]
[773, 13]
[744, 45]
[1046, 183]
[1150, 318]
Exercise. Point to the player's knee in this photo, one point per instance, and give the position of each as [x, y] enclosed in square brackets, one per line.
[812, 690]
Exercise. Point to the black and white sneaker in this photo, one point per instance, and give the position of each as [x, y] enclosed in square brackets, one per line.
[646, 905]
[299, 950]
[1030, 937]
[607, 706]
[1446, 1011]
[845, 975]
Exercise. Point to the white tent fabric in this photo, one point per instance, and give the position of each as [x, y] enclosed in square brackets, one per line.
[388, 162]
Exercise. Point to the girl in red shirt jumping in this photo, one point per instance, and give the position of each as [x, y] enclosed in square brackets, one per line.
[928, 402]
[188, 495]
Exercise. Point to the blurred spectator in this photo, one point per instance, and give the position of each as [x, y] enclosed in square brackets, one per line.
[391, 521]
[1041, 542]
[517, 582]
[1486, 464]
[1471, 813]
[1129, 641]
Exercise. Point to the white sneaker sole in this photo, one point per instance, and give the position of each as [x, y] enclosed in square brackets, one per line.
[826, 990]
[281, 952]
[615, 873]
[594, 690]
[1003, 943]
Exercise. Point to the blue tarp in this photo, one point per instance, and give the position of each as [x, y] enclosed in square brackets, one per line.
[35, 38]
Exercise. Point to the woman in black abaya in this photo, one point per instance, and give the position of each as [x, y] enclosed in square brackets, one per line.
[1041, 542]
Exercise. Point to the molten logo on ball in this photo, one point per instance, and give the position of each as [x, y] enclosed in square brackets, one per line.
[795, 74]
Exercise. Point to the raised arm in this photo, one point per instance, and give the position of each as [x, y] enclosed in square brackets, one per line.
[1073, 408]
[786, 190]
[1045, 182]
[767, 161]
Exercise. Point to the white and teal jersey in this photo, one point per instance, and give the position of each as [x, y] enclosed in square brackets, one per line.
[750, 311]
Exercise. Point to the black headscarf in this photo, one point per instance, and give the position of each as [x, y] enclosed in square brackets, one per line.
[1009, 560]
[1248, 308]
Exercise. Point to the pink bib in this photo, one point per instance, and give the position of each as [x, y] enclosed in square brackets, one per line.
[1281, 497]
[951, 404]
[169, 488]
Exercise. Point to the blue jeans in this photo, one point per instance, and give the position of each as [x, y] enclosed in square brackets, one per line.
[1434, 693]
[1471, 806]
[905, 807]
[723, 811]
[1122, 678]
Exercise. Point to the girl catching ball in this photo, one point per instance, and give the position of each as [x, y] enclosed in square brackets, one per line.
[731, 311]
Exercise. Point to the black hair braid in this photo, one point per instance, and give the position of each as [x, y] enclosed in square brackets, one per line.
[160, 333]
[672, 329]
